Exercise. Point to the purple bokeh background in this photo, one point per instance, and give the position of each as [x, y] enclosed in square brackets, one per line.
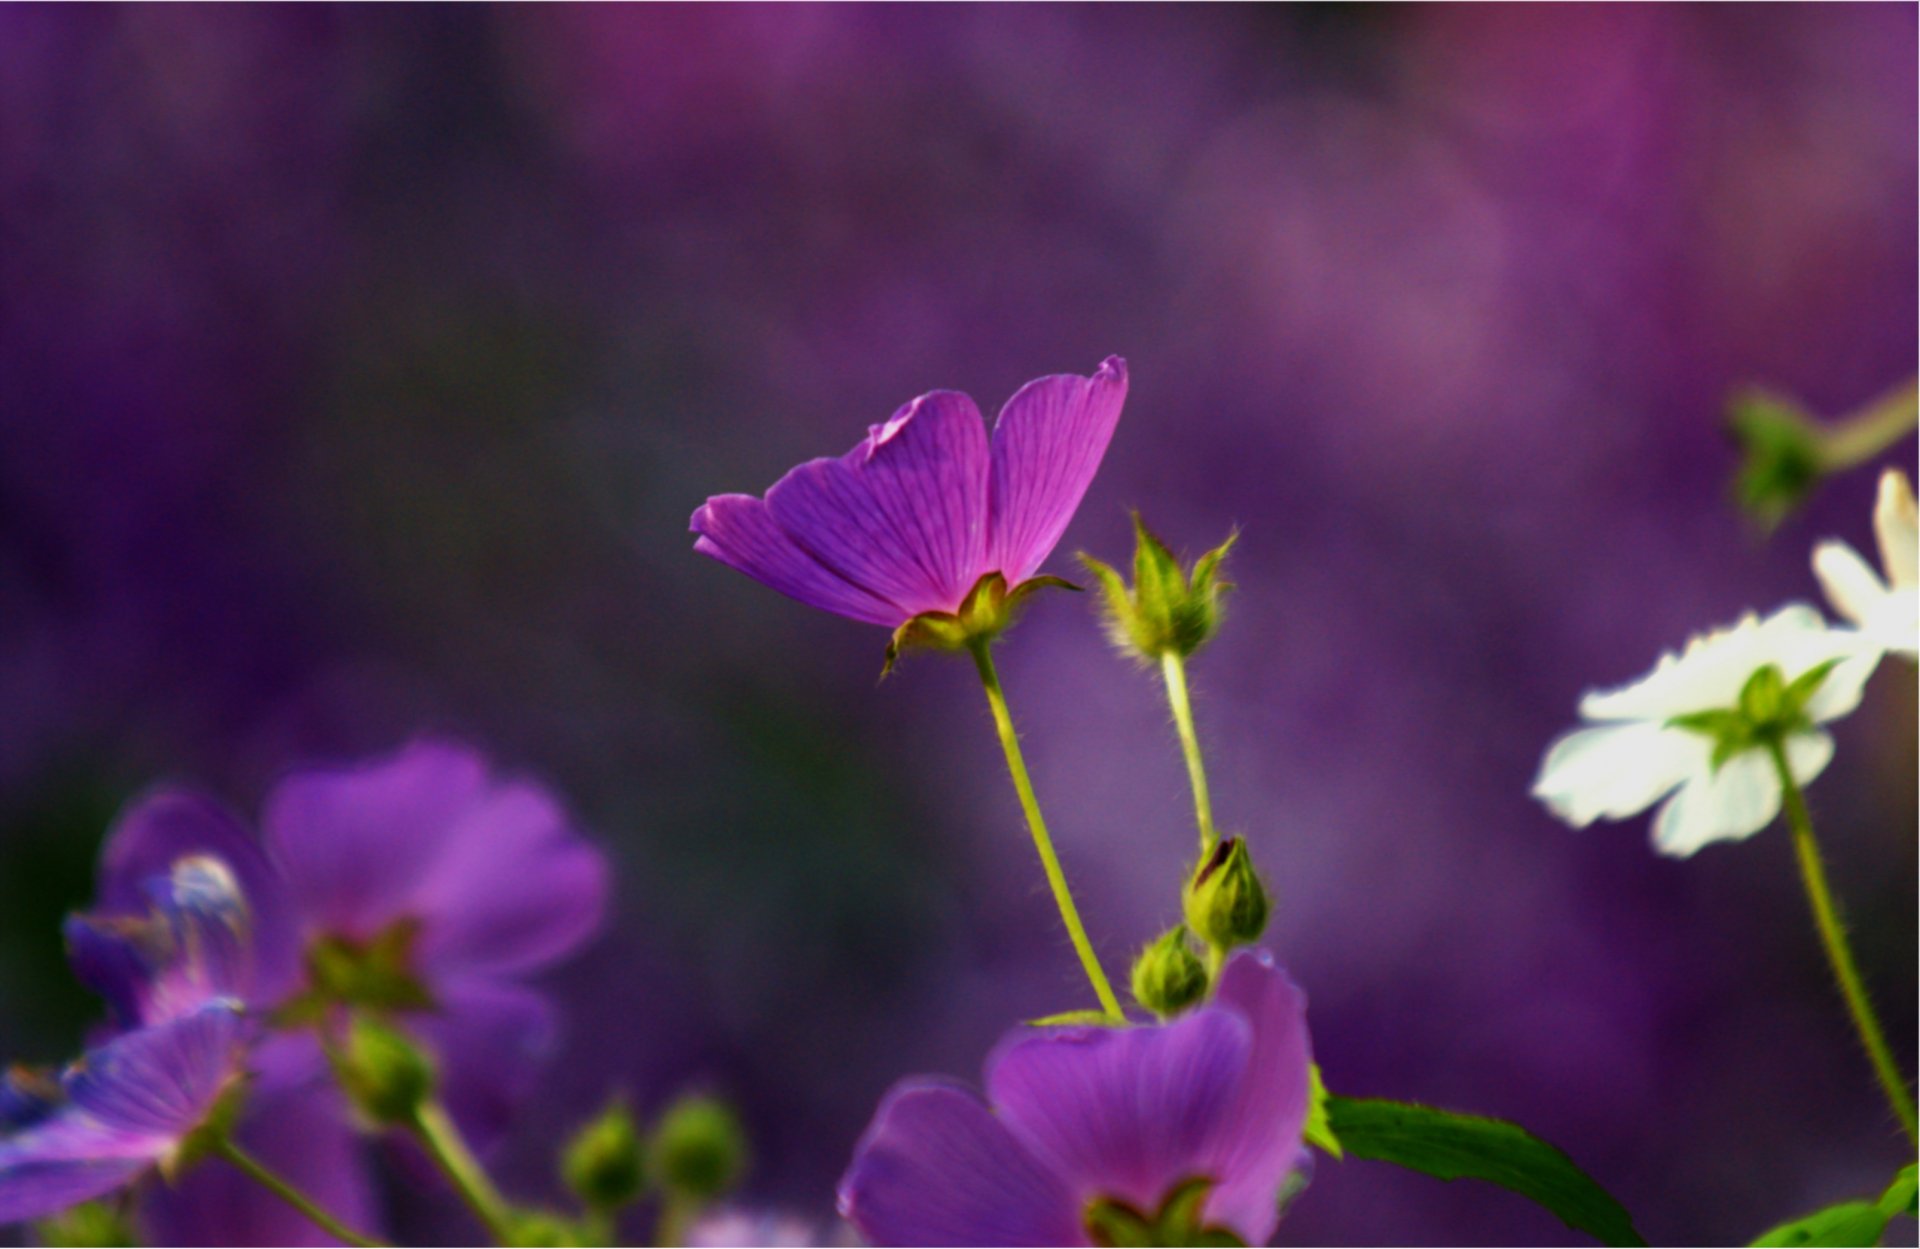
[359, 369]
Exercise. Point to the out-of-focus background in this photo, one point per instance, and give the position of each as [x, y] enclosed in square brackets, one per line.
[359, 370]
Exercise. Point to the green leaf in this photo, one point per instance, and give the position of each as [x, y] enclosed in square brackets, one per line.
[1319, 1131]
[1454, 1146]
[1849, 1223]
[1899, 1197]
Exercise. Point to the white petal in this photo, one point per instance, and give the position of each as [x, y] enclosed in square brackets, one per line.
[1895, 623]
[1896, 522]
[1731, 804]
[1840, 693]
[1851, 585]
[1615, 770]
[1710, 673]
[1808, 754]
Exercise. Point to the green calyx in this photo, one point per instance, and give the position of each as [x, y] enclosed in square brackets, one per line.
[1176, 1222]
[603, 1165]
[388, 1077]
[1225, 902]
[1168, 609]
[1169, 977]
[1782, 458]
[212, 1132]
[375, 975]
[989, 610]
[1769, 709]
[698, 1149]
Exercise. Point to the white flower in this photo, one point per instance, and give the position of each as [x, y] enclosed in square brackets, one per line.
[1886, 608]
[1636, 755]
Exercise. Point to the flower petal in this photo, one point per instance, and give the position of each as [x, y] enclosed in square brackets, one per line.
[1896, 524]
[304, 1133]
[516, 888]
[356, 841]
[171, 824]
[33, 1187]
[904, 514]
[491, 1039]
[1616, 770]
[740, 532]
[1047, 445]
[1712, 670]
[1851, 585]
[158, 1083]
[935, 1168]
[1270, 1111]
[1730, 804]
[1839, 694]
[1125, 1113]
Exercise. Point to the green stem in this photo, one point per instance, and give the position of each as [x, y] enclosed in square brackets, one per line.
[1023, 785]
[676, 1220]
[273, 1183]
[1834, 936]
[1174, 668]
[1865, 434]
[435, 1130]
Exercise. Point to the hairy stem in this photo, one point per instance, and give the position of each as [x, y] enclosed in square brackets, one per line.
[1037, 824]
[1834, 936]
[1174, 668]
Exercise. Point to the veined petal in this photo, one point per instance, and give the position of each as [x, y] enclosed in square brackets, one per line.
[904, 514]
[936, 1168]
[1125, 1113]
[159, 1083]
[1615, 770]
[1896, 523]
[1730, 804]
[1850, 583]
[1270, 1111]
[740, 532]
[1047, 445]
[32, 1187]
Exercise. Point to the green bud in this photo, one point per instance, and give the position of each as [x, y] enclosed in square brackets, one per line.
[698, 1149]
[1168, 977]
[542, 1229]
[89, 1225]
[1225, 902]
[1168, 609]
[602, 1165]
[385, 1073]
[1782, 454]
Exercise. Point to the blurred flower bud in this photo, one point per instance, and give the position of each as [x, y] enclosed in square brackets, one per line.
[602, 1165]
[542, 1229]
[1225, 901]
[1168, 977]
[698, 1149]
[1168, 610]
[89, 1225]
[1781, 457]
[386, 1074]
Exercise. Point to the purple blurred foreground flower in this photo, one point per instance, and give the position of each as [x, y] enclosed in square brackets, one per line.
[1087, 1125]
[911, 520]
[418, 886]
[135, 1100]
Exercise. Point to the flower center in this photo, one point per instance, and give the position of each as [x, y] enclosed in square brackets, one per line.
[1122, 1225]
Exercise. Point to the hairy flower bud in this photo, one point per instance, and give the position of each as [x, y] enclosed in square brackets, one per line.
[698, 1149]
[1168, 609]
[1225, 902]
[386, 1074]
[602, 1164]
[1168, 977]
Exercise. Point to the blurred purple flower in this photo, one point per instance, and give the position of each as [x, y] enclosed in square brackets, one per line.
[419, 886]
[133, 1100]
[1078, 1116]
[912, 518]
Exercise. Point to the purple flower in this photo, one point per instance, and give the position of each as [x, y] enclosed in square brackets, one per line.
[420, 887]
[910, 520]
[1082, 1122]
[134, 1100]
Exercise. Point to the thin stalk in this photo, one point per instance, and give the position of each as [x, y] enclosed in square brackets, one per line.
[1833, 935]
[273, 1183]
[435, 1130]
[1863, 435]
[676, 1220]
[1037, 824]
[1174, 668]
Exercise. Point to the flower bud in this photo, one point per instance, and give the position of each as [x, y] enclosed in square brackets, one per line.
[1225, 902]
[1168, 977]
[602, 1164]
[698, 1150]
[542, 1229]
[1782, 456]
[89, 1225]
[387, 1075]
[1168, 609]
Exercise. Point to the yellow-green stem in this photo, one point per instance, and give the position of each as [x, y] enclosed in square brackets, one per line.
[1050, 862]
[1174, 668]
[260, 1174]
[677, 1214]
[1860, 437]
[1833, 935]
[435, 1130]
